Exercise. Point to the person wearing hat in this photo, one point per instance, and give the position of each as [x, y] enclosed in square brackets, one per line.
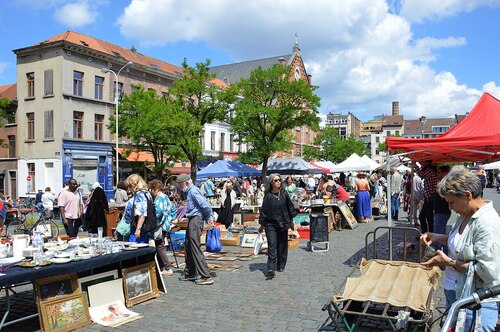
[198, 210]
[363, 204]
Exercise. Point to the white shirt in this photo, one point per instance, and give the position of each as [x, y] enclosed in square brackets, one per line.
[48, 200]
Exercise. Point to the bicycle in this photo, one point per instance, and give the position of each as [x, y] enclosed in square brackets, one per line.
[474, 298]
[47, 226]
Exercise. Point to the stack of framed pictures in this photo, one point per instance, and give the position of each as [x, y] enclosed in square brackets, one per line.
[61, 304]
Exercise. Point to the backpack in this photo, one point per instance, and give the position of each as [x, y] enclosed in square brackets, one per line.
[149, 224]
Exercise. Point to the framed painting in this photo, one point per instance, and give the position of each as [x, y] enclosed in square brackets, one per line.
[85, 282]
[64, 313]
[248, 240]
[348, 216]
[238, 218]
[140, 283]
[53, 287]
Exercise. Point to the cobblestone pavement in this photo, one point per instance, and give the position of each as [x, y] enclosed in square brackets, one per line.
[243, 300]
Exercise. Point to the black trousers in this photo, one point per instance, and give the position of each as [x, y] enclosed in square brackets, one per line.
[426, 217]
[277, 247]
[72, 227]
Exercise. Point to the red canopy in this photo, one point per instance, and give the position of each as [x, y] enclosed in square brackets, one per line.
[476, 138]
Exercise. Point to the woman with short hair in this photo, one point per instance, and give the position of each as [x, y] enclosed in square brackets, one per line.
[475, 237]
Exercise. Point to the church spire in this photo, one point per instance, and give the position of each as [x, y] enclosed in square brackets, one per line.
[296, 48]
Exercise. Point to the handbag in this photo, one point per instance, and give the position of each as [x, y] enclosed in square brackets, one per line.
[123, 228]
[213, 243]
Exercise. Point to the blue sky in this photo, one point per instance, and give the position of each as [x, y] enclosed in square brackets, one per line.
[435, 57]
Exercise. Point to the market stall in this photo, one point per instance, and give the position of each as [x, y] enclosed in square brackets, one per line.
[62, 271]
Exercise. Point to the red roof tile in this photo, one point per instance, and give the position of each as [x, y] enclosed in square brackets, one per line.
[9, 91]
[113, 50]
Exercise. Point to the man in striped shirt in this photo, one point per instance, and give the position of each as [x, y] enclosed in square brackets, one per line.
[429, 174]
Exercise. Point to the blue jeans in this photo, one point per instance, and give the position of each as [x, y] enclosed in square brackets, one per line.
[489, 313]
[395, 206]
[440, 222]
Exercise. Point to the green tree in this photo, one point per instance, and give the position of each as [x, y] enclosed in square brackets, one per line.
[333, 147]
[197, 100]
[271, 105]
[4, 114]
[148, 122]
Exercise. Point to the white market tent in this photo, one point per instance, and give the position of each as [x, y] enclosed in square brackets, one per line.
[493, 165]
[353, 163]
[373, 164]
[324, 164]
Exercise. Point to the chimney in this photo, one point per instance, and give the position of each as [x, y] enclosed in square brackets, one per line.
[395, 108]
[282, 61]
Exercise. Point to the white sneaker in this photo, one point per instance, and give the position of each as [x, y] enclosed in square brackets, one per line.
[168, 272]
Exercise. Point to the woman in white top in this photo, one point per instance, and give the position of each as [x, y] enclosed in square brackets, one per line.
[48, 203]
[474, 237]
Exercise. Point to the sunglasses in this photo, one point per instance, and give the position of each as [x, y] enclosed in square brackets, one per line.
[277, 180]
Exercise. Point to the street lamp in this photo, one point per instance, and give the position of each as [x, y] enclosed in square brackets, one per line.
[117, 75]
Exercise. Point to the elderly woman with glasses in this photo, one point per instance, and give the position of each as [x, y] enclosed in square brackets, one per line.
[276, 217]
[474, 238]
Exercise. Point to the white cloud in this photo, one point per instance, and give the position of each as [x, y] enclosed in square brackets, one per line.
[420, 10]
[76, 14]
[360, 54]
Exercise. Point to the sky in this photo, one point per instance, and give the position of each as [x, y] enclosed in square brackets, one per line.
[436, 58]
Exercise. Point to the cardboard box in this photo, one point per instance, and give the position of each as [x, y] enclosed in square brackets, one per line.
[231, 241]
[293, 243]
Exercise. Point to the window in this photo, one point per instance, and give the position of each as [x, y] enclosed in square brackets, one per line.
[31, 173]
[440, 129]
[99, 87]
[12, 145]
[212, 140]
[202, 140]
[377, 139]
[397, 132]
[231, 143]
[99, 127]
[77, 124]
[30, 85]
[48, 82]
[223, 142]
[77, 83]
[48, 124]
[31, 125]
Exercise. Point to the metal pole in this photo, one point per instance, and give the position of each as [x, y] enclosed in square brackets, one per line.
[116, 127]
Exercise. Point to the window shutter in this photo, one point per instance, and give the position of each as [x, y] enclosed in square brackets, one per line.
[49, 82]
[48, 124]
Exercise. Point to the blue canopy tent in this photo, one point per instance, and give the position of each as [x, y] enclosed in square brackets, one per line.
[290, 166]
[225, 168]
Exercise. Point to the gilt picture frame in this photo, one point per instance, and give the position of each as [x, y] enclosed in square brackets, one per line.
[140, 283]
[66, 313]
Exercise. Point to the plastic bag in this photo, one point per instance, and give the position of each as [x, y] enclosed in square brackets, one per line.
[259, 241]
[213, 243]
